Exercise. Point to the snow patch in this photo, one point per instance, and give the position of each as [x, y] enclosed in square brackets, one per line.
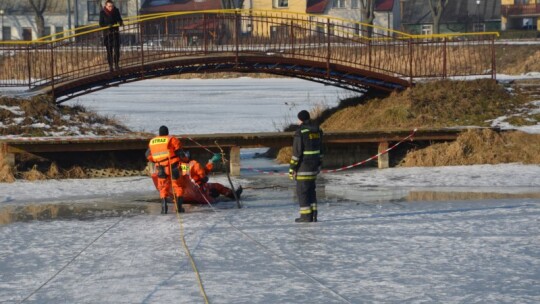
[13, 109]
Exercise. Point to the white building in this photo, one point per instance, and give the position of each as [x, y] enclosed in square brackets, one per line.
[387, 12]
[18, 17]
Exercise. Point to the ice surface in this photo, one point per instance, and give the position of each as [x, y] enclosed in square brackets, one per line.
[197, 106]
[384, 236]
[371, 244]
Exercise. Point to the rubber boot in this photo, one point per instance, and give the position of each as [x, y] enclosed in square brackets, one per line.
[305, 218]
[179, 202]
[164, 207]
[314, 211]
[239, 191]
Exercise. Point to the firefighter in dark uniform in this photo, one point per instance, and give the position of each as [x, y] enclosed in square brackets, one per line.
[305, 164]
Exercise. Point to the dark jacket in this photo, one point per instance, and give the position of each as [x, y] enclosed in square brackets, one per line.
[307, 151]
[111, 21]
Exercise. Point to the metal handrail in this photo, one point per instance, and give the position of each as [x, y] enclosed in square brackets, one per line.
[77, 54]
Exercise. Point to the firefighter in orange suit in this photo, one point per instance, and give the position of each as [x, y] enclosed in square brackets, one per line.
[165, 151]
[193, 171]
[196, 180]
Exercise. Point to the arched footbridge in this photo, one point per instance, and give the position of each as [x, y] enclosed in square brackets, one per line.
[323, 49]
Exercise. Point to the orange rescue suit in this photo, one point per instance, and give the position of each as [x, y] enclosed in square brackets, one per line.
[194, 185]
[195, 172]
[195, 177]
[162, 153]
[162, 150]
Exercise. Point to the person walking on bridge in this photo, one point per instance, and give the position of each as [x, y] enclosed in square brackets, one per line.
[305, 164]
[165, 151]
[110, 17]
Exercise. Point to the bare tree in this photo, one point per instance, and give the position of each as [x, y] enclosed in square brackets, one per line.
[39, 8]
[368, 14]
[437, 9]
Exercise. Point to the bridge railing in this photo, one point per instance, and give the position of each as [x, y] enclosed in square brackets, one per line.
[168, 37]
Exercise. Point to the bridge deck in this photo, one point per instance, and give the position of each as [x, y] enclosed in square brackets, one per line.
[230, 142]
[242, 140]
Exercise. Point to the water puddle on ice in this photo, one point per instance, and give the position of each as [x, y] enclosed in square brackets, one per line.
[80, 211]
[462, 196]
[414, 194]
[95, 210]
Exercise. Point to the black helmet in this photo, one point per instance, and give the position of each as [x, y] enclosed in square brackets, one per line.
[163, 130]
[303, 115]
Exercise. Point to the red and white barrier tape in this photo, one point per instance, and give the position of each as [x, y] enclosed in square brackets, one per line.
[350, 166]
[44, 139]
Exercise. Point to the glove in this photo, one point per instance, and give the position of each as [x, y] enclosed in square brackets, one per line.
[194, 182]
[215, 158]
[292, 175]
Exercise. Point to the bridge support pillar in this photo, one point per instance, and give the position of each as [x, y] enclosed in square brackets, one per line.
[7, 158]
[383, 161]
[234, 161]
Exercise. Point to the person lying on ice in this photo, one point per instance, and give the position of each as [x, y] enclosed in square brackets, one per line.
[194, 176]
[198, 189]
[165, 151]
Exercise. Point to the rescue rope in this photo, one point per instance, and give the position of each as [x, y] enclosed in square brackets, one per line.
[223, 160]
[410, 136]
[191, 260]
[374, 156]
[73, 259]
[198, 144]
[272, 253]
[183, 239]
[268, 250]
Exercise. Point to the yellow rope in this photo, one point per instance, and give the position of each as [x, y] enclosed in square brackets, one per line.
[192, 261]
[183, 239]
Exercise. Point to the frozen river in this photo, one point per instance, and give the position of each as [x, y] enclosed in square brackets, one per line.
[466, 234]
[199, 106]
[384, 236]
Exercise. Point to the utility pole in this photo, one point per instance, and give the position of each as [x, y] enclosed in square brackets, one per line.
[478, 15]
[76, 12]
[2, 14]
[69, 13]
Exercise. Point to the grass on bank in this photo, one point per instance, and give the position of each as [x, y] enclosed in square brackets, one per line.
[430, 105]
[40, 116]
[475, 147]
[442, 104]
